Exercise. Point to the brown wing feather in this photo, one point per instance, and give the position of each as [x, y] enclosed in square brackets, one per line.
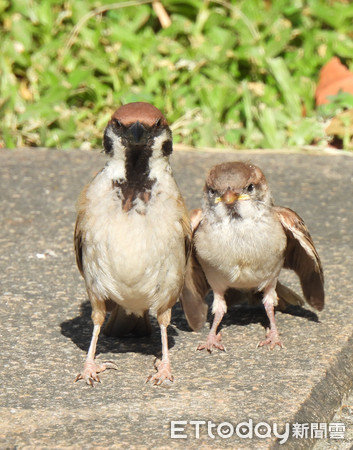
[78, 245]
[302, 257]
[78, 235]
[195, 286]
[185, 223]
[195, 218]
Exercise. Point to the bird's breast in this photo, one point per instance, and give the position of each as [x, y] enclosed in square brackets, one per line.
[240, 254]
[135, 258]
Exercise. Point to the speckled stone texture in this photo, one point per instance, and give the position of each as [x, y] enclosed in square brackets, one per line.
[46, 327]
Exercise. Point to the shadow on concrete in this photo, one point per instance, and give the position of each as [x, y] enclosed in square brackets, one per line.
[241, 314]
[79, 330]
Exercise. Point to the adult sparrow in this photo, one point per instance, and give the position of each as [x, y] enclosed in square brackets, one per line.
[132, 234]
[242, 241]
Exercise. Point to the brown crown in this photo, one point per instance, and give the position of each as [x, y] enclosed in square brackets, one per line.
[145, 113]
[235, 175]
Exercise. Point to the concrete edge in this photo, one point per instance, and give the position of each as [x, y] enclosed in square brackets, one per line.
[325, 397]
[307, 150]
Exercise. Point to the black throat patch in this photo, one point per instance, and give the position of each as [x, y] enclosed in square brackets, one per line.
[138, 184]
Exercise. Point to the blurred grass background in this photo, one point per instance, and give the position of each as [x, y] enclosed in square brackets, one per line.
[240, 74]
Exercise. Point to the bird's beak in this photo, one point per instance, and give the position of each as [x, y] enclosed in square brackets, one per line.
[137, 133]
[230, 197]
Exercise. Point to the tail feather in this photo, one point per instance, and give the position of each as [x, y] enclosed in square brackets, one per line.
[287, 297]
[120, 324]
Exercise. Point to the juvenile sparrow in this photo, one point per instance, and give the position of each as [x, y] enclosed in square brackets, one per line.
[132, 233]
[242, 241]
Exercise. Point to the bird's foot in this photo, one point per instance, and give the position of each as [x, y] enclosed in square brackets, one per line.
[92, 369]
[212, 341]
[163, 374]
[272, 339]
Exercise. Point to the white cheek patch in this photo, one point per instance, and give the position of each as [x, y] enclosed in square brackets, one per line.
[158, 143]
[118, 148]
[115, 169]
[158, 164]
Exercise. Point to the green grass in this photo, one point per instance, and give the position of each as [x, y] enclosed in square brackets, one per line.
[237, 74]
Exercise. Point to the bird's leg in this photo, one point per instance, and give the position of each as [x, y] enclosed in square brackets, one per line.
[91, 368]
[270, 301]
[163, 367]
[219, 308]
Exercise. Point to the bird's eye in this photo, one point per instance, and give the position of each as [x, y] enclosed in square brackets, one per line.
[117, 123]
[158, 122]
[211, 191]
[250, 188]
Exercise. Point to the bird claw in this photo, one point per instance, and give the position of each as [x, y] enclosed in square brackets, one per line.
[91, 370]
[163, 376]
[110, 365]
[212, 341]
[89, 377]
[272, 339]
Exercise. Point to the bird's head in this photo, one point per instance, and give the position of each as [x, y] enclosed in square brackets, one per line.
[139, 142]
[137, 128]
[236, 188]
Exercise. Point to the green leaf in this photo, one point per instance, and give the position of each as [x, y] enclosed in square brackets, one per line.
[286, 85]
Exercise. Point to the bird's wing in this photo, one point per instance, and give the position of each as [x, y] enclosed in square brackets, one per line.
[302, 257]
[195, 286]
[78, 244]
[195, 219]
[78, 235]
[185, 223]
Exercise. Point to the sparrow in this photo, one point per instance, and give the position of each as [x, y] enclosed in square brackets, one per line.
[132, 234]
[240, 243]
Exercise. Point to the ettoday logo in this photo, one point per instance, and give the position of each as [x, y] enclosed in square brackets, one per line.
[183, 429]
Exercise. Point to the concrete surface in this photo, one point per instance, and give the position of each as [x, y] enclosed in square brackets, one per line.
[46, 327]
